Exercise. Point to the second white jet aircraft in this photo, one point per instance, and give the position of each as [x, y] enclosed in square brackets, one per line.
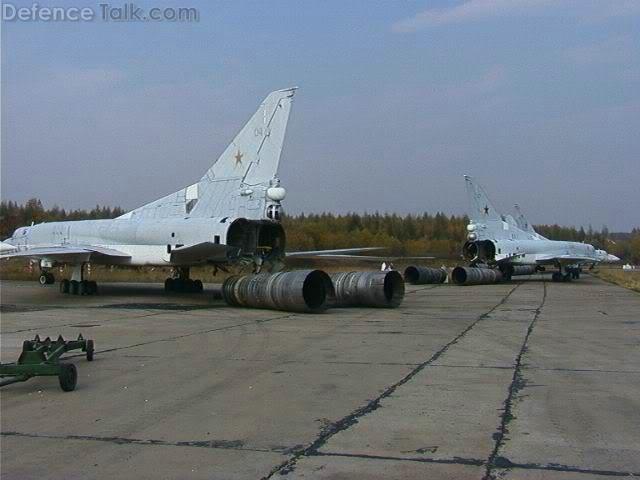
[504, 242]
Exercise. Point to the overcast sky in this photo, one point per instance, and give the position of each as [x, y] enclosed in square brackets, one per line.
[539, 99]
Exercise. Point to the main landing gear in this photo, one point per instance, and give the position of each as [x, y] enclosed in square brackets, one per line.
[571, 273]
[78, 285]
[181, 282]
[75, 287]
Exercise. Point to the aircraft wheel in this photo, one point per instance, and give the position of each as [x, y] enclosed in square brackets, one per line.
[68, 377]
[169, 285]
[74, 287]
[197, 286]
[64, 286]
[90, 287]
[90, 350]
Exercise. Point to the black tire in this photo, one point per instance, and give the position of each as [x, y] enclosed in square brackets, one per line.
[64, 286]
[169, 285]
[556, 277]
[83, 288]
[197, 286]
[90, 350]
[68, 377]
[50, 279]
[74, 287]
[93, 287]
[43, 279]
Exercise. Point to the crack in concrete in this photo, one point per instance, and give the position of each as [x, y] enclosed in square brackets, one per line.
[216, 444]
[325, 362]
[542, 369]
[517, 383]
[177, 337]
[39, 327]
[447, 461]
[501, 462]
[346, 422]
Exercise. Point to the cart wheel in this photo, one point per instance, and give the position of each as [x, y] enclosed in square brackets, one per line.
[90, 350]
[68, 377]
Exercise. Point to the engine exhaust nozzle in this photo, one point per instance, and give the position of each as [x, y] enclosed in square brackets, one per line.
[368, 289]
[417, 275]
[307, 291]
[475, 276]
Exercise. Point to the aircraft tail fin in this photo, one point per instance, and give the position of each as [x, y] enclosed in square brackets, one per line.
[481, 210]
[523, 223]
[521, 220]
[237, 183]
[254, 154]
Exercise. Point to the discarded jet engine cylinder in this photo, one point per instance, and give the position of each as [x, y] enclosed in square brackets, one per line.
[417, 275]
[523, 270]
[509, 270]
[368, 289]
[297, 291]
[475, 276]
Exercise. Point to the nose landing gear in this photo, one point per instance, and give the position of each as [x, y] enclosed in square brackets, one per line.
[46, 278]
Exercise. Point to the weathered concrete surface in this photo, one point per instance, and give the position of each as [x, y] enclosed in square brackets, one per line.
[523, 380]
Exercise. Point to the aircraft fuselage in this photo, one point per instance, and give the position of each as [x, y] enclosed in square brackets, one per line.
[151, 241]
[529, 252]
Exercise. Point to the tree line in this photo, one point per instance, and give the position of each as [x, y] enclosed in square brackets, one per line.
[438, 235]
[14, 215]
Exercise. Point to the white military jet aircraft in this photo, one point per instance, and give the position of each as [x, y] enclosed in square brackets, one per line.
[505, 242]
[229, 217]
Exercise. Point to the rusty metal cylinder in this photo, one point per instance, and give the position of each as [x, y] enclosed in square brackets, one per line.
[523, 270]
[417, 275]
[368, 289]
[309, 291]
[475, 276]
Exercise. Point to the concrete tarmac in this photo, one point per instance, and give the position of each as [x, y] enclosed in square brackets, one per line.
[525, 380]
